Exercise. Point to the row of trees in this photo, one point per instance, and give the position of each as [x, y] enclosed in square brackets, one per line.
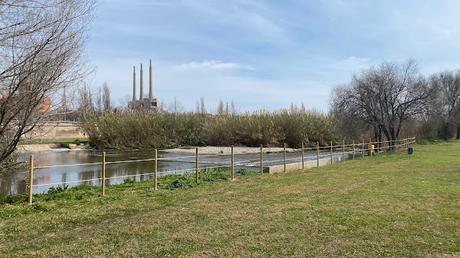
[394, 98]
[94, 103]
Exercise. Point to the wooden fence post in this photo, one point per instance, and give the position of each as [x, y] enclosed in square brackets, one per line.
[233, 164]
[103, 173]
[31, 178]
[353, 150]
[303, 156]
[362, 149]
[370, 147]
[343, 149]
[378, 147]
[155, 171]
[284, 158]
[332, 158]
[261, 159]
[317, 154]
[197, 166]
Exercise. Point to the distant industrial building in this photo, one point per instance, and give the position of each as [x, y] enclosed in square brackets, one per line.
[143, 103]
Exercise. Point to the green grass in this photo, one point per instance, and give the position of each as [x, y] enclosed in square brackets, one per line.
[390, 205]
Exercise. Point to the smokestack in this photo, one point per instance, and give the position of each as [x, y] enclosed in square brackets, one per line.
[150, 81]
[134, 84]
[142, 84]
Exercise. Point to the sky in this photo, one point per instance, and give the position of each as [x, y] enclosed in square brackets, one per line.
[264, 54]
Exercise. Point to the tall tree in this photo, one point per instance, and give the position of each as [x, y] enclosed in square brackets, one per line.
[86, 104]
[40, 47]
[232, 108]
[445, 103]
[384, 97]
[202, 106]
[106, 99]
[221, 108]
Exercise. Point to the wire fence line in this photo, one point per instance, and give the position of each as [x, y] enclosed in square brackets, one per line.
[338, 152]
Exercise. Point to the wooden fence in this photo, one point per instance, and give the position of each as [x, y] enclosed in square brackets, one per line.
[324, 156]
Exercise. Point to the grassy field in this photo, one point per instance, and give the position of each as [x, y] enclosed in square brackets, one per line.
[390, 205]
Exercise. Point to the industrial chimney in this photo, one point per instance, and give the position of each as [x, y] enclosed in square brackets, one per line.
[150, 82]
[134, 84]
[142, 84]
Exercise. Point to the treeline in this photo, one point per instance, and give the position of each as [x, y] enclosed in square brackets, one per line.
[394, 100]
[136, 129]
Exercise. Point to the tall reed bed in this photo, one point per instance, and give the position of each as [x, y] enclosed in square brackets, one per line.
[131, 129]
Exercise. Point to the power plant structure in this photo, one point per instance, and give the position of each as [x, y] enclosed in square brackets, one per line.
[143, 103]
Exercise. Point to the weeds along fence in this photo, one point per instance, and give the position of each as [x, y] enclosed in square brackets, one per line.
[265, 161]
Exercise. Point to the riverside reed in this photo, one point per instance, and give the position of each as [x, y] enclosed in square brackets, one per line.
[133, 129]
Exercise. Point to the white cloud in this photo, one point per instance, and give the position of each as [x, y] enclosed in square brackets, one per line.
[213, 65]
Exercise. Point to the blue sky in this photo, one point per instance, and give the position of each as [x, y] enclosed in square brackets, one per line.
[264, 54]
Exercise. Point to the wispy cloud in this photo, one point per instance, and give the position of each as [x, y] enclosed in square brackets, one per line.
[212, 65]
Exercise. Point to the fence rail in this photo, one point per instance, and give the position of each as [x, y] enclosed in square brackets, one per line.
[317, 152]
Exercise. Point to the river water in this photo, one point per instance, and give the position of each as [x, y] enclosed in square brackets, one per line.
[73, 167]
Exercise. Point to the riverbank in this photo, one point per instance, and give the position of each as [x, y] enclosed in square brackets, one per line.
[49, 147]
[207, 150]
[37, 145]
[389, 205]
[227, 150]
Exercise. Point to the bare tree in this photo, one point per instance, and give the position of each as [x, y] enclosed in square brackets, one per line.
[445, 103]
[106, 100]
[384, 97]
[197, 107]
[175, 107]
[232, 108]
[40, 47]
[221, 108]
[85, 99]
[98, 101]
[202, 106]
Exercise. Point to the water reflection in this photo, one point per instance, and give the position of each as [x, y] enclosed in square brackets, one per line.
[47, 177]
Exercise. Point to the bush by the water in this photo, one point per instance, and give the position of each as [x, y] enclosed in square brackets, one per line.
[131, 129]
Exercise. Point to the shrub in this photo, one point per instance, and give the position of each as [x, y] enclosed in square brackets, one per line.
[57, 189]
[181, 182]
[213, 175]
[134, 130]
[245, 171]
[13, 199]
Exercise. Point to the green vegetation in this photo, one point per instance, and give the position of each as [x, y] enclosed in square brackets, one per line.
[160, 130]
[388, 205]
